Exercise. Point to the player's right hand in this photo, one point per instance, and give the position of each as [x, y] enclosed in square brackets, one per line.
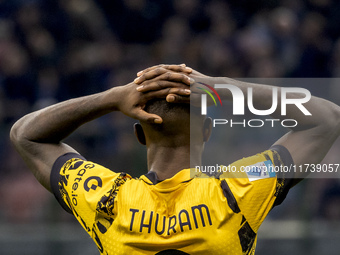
[179, 73]
[132, 100]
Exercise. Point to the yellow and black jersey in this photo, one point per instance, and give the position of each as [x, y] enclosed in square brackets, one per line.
[181, 215]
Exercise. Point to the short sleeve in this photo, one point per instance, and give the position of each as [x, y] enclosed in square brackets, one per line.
[85, 188]
[259, 185]
[55, 177]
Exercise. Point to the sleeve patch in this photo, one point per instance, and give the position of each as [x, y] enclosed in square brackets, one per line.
[260, 170]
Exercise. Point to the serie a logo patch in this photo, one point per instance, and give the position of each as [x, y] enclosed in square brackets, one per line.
[260, 170]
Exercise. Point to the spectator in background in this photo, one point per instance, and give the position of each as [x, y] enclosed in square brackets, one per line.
[52, 50]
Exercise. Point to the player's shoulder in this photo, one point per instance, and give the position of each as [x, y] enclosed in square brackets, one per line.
[74, 169]
[262, 165]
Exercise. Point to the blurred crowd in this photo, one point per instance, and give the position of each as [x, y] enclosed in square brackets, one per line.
[54, 50]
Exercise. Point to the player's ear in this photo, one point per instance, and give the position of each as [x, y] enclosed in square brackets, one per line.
[139, 132]
[207, 128]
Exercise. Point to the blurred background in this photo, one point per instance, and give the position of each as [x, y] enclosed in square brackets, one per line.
[53, 50]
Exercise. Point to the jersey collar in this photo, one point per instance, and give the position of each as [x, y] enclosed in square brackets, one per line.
[181, 177]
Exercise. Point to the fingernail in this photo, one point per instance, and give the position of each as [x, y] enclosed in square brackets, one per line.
[192, 81]
[136, 80]
[170, 98]
[158, 121]
[188, 69]
[187, 91]
[139, 88]
[183, 65]
[139, 73]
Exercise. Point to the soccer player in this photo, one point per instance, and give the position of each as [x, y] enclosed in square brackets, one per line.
[168, 211]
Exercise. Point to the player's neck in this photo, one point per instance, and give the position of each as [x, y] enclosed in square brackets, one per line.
[168, 161]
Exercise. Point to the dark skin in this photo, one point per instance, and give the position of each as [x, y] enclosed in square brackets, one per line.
[38, 136]
[307, 144]
[168, 154]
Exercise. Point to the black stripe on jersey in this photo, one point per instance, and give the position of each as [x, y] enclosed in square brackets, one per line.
[230, 197]
[55, 177]
[105, 205]
[247, 236]
[282, 157]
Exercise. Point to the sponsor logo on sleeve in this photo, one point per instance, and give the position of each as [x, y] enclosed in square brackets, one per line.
[92, 183]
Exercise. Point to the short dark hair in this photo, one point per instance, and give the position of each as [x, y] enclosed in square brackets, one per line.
[174, 115]
[162, 108]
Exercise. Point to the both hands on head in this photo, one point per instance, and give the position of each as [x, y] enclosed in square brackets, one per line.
[174, 83]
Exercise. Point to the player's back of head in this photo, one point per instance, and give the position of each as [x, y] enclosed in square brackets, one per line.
[177, 119]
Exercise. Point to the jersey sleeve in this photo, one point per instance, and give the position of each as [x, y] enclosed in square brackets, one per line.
[264, 182]
[86, 189]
